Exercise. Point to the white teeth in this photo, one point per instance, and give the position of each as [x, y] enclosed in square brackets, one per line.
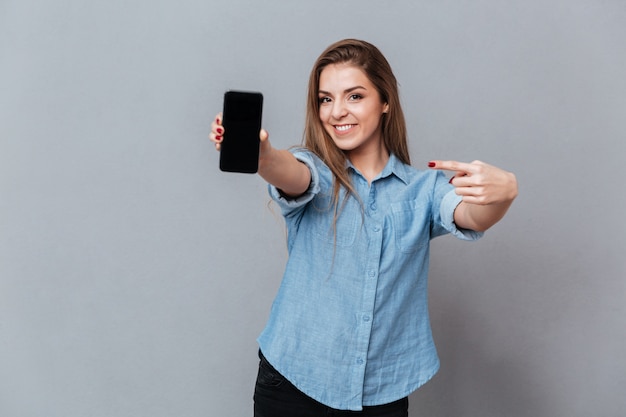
[343, 127]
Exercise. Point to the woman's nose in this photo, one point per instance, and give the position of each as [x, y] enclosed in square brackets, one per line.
[339, 110]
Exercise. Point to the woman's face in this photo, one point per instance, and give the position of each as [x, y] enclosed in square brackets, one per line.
[350, 108]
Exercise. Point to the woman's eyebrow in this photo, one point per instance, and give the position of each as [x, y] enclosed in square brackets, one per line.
[349, 90]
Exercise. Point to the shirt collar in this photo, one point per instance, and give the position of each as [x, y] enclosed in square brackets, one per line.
[394, 166]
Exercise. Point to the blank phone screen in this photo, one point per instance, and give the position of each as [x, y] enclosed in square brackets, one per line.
[242, 123]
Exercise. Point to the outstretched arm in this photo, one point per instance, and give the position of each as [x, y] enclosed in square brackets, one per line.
[278, 167]
[487, 192]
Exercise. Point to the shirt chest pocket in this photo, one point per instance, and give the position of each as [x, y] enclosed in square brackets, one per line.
[411, 224]
[321, 221]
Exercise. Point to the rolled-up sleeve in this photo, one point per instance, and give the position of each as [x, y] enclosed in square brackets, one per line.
[289, 205]
[448, 205]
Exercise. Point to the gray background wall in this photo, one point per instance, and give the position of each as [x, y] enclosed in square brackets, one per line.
[135, 277]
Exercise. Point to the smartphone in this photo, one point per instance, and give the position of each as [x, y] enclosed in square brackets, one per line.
[241, 119]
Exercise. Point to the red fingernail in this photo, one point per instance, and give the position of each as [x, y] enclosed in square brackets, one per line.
[431, 164]
[219, 130]
[218, 138]
[450, 182]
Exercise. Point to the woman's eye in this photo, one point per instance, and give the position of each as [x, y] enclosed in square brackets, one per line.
[355, 97]
[324, 100]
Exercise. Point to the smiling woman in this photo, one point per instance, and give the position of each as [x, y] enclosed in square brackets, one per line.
[351, 111]
[369, 61]
[349, 328]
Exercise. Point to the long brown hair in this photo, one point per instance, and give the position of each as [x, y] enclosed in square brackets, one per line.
[371, 61]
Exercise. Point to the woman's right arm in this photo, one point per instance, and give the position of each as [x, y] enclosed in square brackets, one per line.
[277, 166]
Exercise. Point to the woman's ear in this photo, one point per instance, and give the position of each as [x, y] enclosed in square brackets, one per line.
[386, 108]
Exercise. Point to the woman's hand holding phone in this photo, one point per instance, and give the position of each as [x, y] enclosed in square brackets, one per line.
[217, 135]
[278, 167]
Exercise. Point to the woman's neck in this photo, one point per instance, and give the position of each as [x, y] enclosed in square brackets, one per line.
[371, 162]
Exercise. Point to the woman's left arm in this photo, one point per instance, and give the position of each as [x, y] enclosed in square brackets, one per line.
[487, 192]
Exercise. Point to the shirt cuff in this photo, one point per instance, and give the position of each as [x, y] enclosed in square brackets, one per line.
[448, 204]
[288, 204]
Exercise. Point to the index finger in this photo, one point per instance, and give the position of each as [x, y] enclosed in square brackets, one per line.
[451, 166]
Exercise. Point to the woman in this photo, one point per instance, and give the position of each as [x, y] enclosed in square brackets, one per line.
[349, 328]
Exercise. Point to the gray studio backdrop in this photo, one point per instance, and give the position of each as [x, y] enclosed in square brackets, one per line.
[135, 277]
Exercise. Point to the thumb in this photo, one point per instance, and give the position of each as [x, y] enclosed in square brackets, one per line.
[263, 135]
[264, 146]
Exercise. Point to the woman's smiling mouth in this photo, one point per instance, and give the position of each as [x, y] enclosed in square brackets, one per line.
[343, 128]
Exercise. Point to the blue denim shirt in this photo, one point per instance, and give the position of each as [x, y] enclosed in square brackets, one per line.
[349, 326]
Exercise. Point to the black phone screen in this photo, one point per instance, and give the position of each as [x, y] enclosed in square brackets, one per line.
[241, 119]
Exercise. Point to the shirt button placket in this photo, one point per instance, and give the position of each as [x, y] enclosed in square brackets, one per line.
[371, 268]
[372, 200]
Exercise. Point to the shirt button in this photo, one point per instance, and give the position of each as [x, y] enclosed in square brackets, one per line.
[366, 318]
[376, 229]
[373, 207]
[372, 273]
[359, 361]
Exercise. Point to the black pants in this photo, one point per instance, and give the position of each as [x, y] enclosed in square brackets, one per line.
[274, 396]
